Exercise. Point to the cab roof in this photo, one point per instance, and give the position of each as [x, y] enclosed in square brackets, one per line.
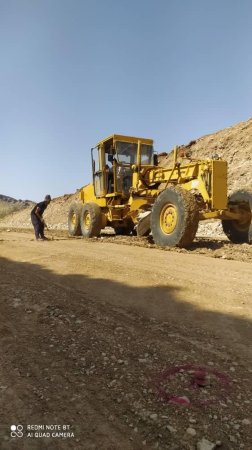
[120, 137]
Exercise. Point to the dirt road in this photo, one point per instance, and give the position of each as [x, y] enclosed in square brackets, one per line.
[131, 347]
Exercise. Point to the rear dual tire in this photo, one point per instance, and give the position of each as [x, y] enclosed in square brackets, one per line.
[74, 215]
[91, 220]
[85, 220]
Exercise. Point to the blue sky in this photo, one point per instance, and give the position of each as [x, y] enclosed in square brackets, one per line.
[74, 71]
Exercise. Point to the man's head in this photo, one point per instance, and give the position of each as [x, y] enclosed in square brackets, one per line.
[48, 199]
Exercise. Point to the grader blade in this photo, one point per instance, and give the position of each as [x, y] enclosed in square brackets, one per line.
[144, 226]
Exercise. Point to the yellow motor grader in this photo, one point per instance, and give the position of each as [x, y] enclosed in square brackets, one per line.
[131, 193]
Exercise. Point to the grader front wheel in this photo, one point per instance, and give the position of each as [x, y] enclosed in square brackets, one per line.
[168, 218]
[240, 231]
[174, 218]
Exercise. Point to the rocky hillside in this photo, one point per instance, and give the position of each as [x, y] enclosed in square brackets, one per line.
[233, 144]
[9, 205]
[6, 198]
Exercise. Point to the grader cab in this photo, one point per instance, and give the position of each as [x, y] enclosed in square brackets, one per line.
[131, 193]
[113, 162]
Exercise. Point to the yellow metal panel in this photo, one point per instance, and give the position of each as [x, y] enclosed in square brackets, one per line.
[219, 184]
[137, 203]
[185, 173]
[101, 202]
[87, 195]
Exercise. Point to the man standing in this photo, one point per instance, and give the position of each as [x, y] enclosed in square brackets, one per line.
[37, 218]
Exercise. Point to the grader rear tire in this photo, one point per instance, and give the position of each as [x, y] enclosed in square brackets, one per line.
[174, 218]
[91, 220]
[74, 214]
[240, 232]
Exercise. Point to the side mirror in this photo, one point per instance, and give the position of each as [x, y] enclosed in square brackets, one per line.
[110, 158]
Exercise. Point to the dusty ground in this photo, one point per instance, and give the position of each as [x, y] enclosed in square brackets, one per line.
[216, 246]
[131, 346]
